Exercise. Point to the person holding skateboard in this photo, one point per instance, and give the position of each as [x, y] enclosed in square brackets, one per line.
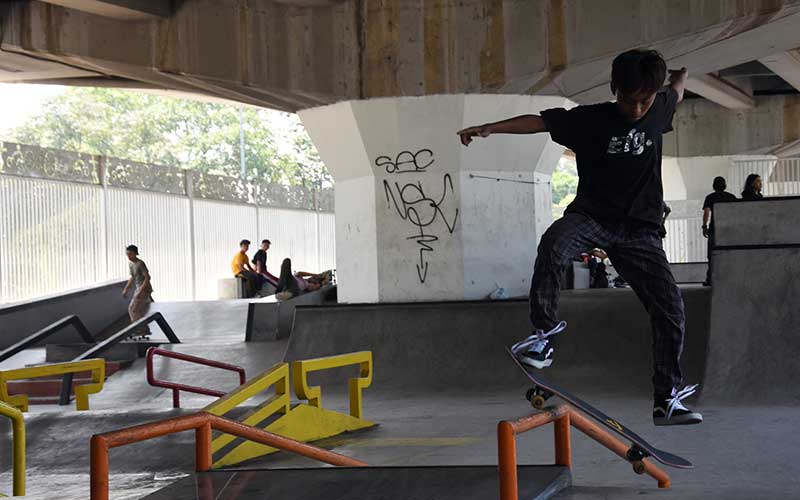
[618, 207]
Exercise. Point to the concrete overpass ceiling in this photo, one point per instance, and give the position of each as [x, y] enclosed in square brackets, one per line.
[737, 86]
[133, 10]
[786, 64]
[309, 3]
[22, 68]
[759, 78]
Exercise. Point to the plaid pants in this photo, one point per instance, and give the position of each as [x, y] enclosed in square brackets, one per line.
[638, 256]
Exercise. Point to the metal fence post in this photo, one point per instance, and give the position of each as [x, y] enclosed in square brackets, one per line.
[189, 187]
[102, 174]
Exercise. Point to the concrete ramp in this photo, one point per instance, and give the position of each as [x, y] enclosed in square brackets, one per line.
[459, 346]
[536, 482]
[754, 348]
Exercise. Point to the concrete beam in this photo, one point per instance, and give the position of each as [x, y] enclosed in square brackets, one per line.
[786, 65]
[121, 9]
[310, 3]
[703, 128]
[720, 91]
[15, 68]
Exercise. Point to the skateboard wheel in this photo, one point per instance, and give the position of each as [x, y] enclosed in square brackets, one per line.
[538, 402]
[635, 454]
[530, 394]
[638, 467]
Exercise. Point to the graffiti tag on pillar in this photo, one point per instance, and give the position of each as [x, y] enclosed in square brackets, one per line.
[406, 162]
[416, 205]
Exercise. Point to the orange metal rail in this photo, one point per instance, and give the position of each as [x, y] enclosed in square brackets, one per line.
[562, 417]
[202, 423]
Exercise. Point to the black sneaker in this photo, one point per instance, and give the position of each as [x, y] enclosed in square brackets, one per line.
[670, 410]
[537, 350]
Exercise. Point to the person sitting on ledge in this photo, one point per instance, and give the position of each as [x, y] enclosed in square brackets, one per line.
[240, 266]
[260, 263]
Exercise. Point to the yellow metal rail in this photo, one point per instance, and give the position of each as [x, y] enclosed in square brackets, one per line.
[301, 369]
[18, 426]
[96, 366]
[277, 375]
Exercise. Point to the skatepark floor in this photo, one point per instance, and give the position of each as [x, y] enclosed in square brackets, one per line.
[742, 451]
[738, 452]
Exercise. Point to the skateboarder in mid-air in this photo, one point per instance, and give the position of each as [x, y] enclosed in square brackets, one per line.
[618, 207]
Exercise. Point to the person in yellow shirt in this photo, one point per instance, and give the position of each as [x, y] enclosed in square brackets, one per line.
[240, 266]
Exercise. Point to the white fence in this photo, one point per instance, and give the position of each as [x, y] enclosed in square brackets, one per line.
[65, 220]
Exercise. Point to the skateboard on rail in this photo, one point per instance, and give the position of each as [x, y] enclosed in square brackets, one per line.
[639, 450]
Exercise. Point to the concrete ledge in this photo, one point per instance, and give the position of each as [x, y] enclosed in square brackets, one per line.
[689, 272]
[754, 344]
[771, 221]
[98, 306]
[271, 319]
[407, 483]
[230, 288]
[607, 345]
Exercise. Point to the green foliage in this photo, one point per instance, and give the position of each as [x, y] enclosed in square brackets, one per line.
[564, 182]
[177, 132]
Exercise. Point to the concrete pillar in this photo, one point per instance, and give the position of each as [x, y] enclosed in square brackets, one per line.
[419, 217]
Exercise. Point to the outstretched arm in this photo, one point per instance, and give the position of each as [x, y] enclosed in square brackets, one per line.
[523, 124]
[677, 80]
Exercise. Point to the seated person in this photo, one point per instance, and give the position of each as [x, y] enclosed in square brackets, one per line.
[240, 266]
[260, 263]
[293, 284]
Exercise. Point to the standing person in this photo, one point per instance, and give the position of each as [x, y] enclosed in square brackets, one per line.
[240, 266]
[752, 188]
[717, 196]
[143, 289]
[618, 207]
[260, 261]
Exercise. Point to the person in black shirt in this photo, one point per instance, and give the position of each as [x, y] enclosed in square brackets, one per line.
[260, 263]
[618, 207]
[717, 196]
[752, 188]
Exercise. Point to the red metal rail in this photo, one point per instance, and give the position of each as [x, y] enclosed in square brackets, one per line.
[176, 387]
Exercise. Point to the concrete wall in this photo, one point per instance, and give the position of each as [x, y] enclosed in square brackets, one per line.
[420, 217]
[689, 272]
[754, 344]
[767, 222]
[703, 128]
[606, 347]
[97, 306]
[270, 319]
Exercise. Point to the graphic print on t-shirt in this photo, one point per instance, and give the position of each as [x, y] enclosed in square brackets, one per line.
[633, 143]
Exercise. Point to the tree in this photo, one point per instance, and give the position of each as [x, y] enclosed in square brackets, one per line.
[177, 132]
[564, 182]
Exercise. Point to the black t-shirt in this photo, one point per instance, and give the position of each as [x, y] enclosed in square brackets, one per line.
[619, 163]
[260, 256]
[751, 196]
[713, 198]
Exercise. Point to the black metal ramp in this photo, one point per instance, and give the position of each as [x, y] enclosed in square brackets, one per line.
[373, 483]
